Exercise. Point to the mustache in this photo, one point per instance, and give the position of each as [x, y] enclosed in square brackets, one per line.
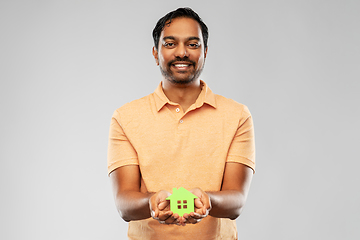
[180, 59]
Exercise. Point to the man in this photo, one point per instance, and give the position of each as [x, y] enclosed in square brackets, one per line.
[182, 135]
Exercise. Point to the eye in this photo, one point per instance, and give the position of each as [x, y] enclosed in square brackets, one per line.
[194, 45]
[169, 44]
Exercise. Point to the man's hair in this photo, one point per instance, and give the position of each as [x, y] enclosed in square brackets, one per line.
[180, 12]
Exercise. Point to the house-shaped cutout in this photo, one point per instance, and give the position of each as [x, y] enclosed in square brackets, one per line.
[181, 201]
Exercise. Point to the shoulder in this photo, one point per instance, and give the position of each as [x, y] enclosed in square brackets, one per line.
[231, 106]
[134, 108]
[135, 104]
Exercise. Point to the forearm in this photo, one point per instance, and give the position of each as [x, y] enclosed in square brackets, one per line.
[226, 204]
[133, 205]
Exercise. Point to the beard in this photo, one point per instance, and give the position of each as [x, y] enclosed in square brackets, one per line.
[183, 77]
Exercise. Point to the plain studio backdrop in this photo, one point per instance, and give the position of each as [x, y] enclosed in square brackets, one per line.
[65, 66]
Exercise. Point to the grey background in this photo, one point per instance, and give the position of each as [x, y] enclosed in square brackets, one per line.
[65, 66]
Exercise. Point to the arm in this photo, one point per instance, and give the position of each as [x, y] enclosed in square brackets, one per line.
[132, 204]
[229, 201]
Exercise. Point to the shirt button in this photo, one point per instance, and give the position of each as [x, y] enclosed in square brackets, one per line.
[178, 110]
[181, 121]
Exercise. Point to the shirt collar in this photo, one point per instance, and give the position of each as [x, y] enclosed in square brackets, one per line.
[205, 96]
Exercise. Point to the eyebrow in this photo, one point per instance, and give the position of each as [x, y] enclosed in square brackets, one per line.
[173, 38]
[193, 38]
[168, 37]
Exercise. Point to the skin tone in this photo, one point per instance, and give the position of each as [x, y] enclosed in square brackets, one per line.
[181, 57]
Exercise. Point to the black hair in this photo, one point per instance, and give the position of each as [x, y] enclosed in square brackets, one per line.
[180, 12]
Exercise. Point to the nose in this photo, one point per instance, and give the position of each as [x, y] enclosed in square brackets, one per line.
[181, 51]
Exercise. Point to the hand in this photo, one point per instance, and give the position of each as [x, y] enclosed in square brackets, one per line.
[201, 210]
[160, 208]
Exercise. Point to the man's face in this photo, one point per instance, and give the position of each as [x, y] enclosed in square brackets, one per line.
[181, 54]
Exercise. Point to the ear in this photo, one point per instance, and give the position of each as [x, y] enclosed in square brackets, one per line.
[155, 54]
[205, 53]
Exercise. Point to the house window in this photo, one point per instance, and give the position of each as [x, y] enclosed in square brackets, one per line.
[182, 206]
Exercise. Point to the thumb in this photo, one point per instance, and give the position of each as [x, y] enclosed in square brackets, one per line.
[198, 203]
[163, 205]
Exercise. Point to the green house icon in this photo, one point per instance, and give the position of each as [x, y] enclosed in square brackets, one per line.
[181, 201]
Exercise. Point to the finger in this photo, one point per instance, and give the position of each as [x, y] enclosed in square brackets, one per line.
[202, 207]
[201, 211]
[190, 219]
[154, 214]
[169, 218]
[203, 202]
[198, 203]
[163, 216]
[163, 205]
[182, 221]
[154, 211]
[197, 215]
[172, 220]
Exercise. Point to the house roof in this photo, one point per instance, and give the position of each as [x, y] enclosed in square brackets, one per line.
[181, 193]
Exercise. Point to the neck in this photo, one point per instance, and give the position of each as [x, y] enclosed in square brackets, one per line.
[185, 95]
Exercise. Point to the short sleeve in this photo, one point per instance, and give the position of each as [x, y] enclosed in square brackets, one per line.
[242, 148]
[120, 150]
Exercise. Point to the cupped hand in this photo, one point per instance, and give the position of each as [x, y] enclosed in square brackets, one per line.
[201, 210]
[160, 208]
